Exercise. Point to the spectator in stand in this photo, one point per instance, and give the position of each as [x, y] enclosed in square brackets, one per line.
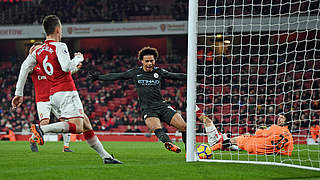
[25, 129]
[315, 131]
[136, 129]
[129, 130]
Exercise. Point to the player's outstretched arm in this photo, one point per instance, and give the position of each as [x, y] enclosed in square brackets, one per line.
[111, 76]
[175, 76]
[93, 76]
[26, 67]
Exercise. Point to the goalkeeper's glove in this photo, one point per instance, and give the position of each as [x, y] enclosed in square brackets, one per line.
[263, 127]
[93, 76]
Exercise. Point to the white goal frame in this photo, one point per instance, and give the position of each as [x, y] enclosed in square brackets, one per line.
[191, 155]
[191, 80]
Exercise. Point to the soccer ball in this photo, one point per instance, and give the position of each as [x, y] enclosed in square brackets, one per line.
[204, 151]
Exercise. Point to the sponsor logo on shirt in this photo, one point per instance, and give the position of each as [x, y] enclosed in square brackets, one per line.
[41, 77]
[148, 82]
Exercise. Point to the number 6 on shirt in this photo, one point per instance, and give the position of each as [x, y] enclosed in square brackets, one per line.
[48, 68]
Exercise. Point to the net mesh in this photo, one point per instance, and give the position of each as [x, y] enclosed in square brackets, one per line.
[256, 60]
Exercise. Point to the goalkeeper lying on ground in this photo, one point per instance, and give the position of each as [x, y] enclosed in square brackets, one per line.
[275, 139]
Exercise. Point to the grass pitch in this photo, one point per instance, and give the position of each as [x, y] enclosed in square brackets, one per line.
[142, 160]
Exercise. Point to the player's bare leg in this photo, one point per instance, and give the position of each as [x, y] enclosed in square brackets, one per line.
[74, 125]
[94, 142]
[66, 139]
[211, 130]
[216, 140]
[178, 122]
[154, 124]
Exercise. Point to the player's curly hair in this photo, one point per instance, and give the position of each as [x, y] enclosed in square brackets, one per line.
[37, 43]
[50, 23]
[148, 51]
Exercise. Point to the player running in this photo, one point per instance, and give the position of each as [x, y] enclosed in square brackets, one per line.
[147, 79]
[54, 59]
[41, 86]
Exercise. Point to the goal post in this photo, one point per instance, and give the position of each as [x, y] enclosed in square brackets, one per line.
[248, 62]
[191, 79]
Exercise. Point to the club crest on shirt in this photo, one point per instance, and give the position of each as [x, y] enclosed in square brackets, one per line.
[41, 115]
[155, 75]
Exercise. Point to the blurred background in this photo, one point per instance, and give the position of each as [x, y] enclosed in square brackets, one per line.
[252, 67]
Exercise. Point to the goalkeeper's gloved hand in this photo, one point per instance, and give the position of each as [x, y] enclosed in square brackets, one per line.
[93, 76]
[263, 127]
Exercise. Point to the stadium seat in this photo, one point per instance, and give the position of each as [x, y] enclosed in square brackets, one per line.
[102, 121]
[123, 100]
[226, 109]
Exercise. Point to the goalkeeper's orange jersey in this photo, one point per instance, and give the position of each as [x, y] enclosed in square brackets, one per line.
[273, 140]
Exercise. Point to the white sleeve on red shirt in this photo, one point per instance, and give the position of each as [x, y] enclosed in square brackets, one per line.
[67, 65]
[27, 66]
[75, 70]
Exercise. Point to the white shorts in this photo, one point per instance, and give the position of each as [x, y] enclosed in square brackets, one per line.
[44, 109]
[67, 104]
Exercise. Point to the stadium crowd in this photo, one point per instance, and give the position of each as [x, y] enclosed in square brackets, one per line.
[244, 90]
[83, 11]
[88, 11]
[108, 104]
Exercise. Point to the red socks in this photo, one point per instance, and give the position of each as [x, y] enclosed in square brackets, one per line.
[72, 127]
[88, 134]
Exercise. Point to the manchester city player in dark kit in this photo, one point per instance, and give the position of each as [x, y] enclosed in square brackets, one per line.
[147, 79]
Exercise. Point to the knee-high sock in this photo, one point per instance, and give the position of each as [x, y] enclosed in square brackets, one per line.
[66, 139]
[184, 139]
[59, 127]
[94, 143]
[213, 135]
[162, 136]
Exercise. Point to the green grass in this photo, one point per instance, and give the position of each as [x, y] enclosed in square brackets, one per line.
[142, 160]
[305, 155]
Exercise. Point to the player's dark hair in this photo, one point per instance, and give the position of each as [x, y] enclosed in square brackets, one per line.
[37, 43]
[50, 23]
[288, 116]
[148, 51]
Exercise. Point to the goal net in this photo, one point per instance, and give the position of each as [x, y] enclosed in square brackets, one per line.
[249, 62]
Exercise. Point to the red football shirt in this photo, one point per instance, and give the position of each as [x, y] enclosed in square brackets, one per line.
[54, 60]
[41, 85]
